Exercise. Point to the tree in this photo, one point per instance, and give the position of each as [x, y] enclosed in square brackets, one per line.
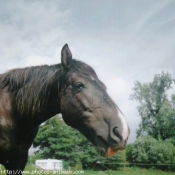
[156, 109]
[57, 140]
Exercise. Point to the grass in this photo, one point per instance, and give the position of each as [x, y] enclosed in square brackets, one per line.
[129, 171]
[123, 171]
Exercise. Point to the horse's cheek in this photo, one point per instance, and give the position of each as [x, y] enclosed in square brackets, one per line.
[68, 106]
[84, 100]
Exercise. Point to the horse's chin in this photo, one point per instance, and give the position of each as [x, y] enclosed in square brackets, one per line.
[107, 153]
[102, 152]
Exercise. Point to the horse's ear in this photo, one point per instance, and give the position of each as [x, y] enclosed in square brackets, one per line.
[66, 56]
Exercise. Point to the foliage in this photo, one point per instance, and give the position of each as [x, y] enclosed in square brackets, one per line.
[56, 140]
[155, 153]
[156, 109]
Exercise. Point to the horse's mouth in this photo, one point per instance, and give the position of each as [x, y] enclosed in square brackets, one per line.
[106, 150]
[112, 151]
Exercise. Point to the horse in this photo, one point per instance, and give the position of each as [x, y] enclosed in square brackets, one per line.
[29, 96]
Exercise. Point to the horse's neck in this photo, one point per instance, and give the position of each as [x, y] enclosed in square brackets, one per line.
[51, 97]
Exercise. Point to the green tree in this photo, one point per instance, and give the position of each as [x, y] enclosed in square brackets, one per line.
[156, 110]
[57, 140]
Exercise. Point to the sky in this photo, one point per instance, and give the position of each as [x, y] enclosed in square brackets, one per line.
[123, 41]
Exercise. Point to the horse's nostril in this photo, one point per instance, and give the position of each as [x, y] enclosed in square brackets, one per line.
[117, 133]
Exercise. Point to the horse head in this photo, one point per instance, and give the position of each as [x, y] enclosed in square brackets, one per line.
[86, 106]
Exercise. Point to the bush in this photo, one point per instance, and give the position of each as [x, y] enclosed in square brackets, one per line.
[151, 153]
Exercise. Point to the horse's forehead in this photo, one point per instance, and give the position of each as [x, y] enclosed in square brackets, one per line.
[74, 76]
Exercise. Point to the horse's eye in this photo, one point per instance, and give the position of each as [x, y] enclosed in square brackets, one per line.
[79, 87]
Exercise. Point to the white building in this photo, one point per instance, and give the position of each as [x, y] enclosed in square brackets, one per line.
[49, 164]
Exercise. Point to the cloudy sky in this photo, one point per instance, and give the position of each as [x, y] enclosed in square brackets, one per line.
[123, 41]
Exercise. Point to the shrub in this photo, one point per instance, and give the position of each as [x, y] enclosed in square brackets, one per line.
[152, 153]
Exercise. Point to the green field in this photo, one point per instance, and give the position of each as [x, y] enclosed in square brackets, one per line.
[129, 172]
[122, 171]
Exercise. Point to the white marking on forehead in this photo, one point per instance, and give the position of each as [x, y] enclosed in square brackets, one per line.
[92, 77]
[125, 131]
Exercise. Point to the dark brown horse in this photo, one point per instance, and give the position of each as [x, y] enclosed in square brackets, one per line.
[32, 95]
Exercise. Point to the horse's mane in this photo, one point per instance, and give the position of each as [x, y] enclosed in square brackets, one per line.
[31, 86]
